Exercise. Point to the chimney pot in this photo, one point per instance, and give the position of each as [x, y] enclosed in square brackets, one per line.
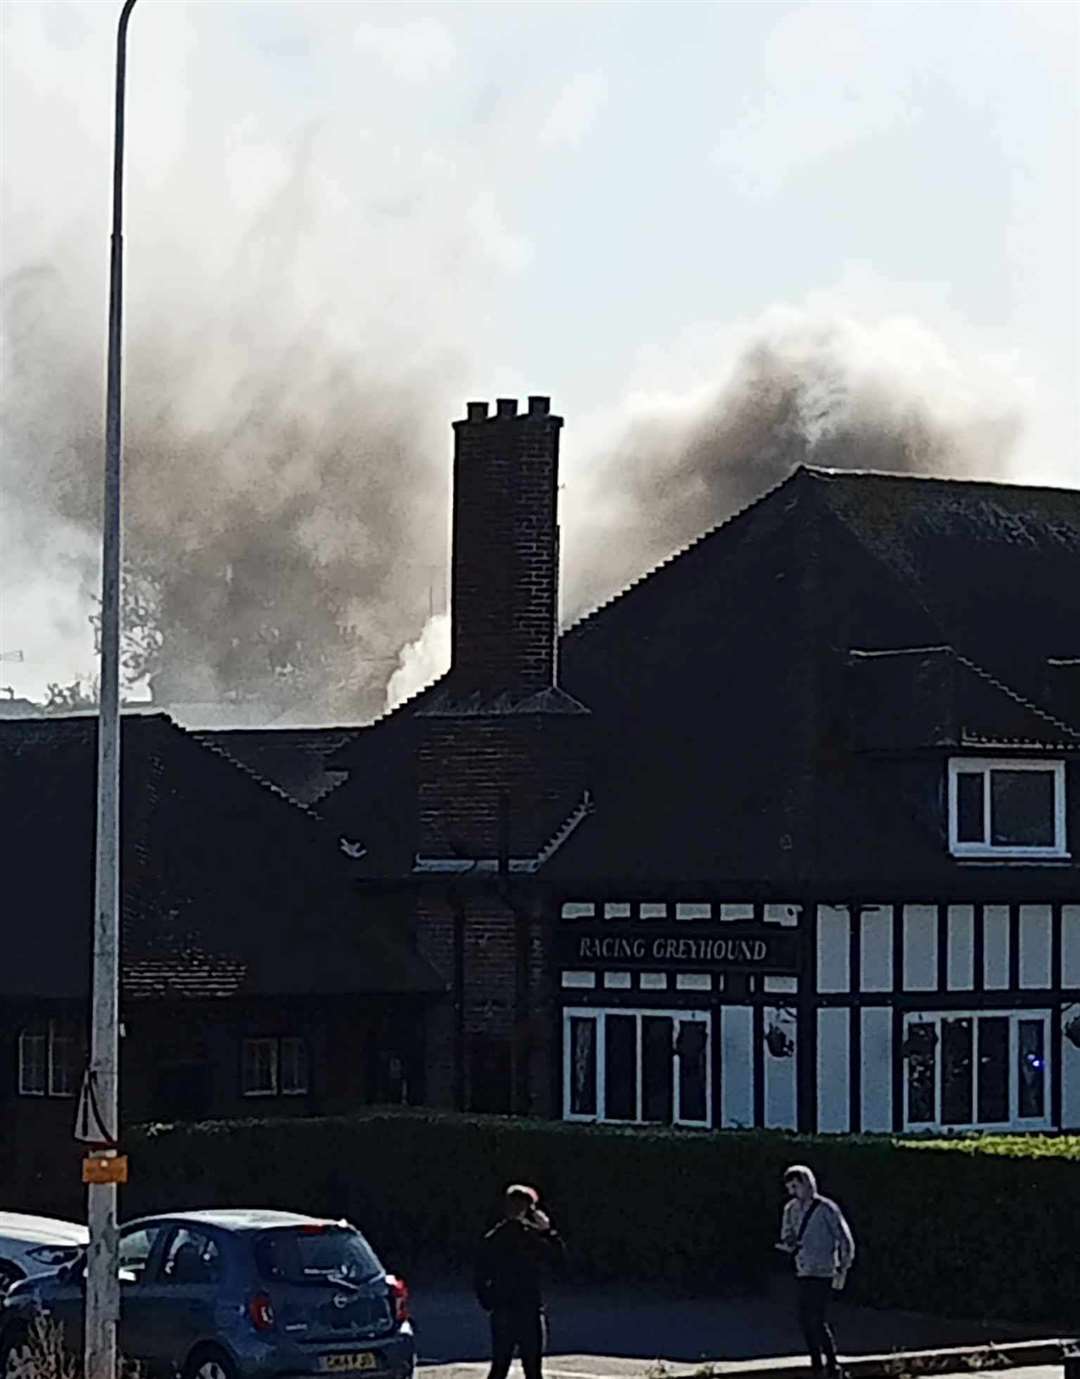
[476, 411]
[506, 407]
[539, 406]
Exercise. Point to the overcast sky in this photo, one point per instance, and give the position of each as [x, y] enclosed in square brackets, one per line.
[601, 202]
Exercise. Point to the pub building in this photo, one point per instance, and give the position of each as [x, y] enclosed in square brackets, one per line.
[783, 835]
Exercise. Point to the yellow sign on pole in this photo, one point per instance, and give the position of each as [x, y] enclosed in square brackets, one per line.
[102, 1168]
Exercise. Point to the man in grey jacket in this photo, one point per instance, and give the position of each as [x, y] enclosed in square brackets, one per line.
[814, 1232]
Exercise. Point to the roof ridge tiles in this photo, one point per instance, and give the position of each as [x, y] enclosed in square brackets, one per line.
[953, 480]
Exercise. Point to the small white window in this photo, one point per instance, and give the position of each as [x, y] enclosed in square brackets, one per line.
[1006, 809]
[33, 1063]
[294, 1070]
[260, 1067]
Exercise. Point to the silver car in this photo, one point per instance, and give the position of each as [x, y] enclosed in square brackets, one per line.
[32, 1245]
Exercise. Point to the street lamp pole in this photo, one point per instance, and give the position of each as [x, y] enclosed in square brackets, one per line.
[102, 1280]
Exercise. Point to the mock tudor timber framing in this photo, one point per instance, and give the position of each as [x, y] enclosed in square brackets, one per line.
[938, 962]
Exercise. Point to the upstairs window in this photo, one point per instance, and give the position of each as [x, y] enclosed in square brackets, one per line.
[1006, 809]
[47, 1058]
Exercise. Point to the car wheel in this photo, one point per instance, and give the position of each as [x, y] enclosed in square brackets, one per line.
[207, 1364]
[16, 1361]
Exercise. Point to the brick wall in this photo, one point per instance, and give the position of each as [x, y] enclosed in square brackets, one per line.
[504, 565]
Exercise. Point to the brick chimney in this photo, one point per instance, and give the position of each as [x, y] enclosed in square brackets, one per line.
[505, 562]
[500, 747]
[500, 767]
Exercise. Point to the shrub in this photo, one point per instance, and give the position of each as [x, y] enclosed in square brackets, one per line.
[972, 1227]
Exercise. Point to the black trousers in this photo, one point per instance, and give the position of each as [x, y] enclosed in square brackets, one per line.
[815, 1294]
[521, 1329]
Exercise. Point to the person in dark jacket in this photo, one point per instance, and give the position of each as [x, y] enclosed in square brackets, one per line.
[509, 1281]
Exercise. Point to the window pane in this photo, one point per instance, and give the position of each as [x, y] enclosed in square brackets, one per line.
[657, 1074]
[692, 1050]
[135, 1249]
[294, 1073]
[1031, 1068]
[582, 1066]
[61, 1065]
[193, 1257]
[1022, 808]
[993, 1089]
[33, 1054]
[957, 1072]
[620, 1067]
[260, 1067]
[922, 1064]
[970, 807]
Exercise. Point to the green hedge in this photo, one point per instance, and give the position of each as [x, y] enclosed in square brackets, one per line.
[976, 1228]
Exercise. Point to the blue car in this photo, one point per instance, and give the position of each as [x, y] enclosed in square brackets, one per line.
[233, 1293]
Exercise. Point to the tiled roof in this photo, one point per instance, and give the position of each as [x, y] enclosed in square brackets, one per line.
[228, 888]
[294, 761]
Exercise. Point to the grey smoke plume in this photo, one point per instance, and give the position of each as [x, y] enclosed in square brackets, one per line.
[284, 500]
[799, 389]
[795, 388]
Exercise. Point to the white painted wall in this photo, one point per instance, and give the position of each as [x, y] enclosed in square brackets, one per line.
[737, 1067]
[1070, 946]
[780, 1090]
[877, 949]
[833, 1081]
[960, 975]
[996, 947]
[1070, 1085]
[920, 947]
[1035, 946]
[833, 952]
[876, 1069]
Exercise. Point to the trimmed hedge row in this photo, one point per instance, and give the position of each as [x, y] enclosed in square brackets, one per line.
[975, 1228]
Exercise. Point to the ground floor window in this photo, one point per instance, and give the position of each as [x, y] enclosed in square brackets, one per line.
[47, 1058]
[274, 1067]
[637, 1066]
[980, 1069]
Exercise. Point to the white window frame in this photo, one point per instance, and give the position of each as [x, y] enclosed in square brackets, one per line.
[1015, 1121]
[295, 1044]
[984, 767]
[28, 1037]
[599, 1015]
[250, 1045]
[58, 1072]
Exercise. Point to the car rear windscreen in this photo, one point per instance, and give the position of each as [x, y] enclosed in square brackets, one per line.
[313, 1254]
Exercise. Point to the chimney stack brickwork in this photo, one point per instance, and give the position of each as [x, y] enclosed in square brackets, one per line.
[500, 762]
[504, 563]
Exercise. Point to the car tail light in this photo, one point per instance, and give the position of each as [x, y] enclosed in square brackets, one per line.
[261, 1312]
[399, 1297]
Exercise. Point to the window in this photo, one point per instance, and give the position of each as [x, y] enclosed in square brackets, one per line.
[273, 1067]
[47, 1060]
[294, 1079]
[260, 1073]
[638, 1066]
[136, 1248]
[1000, 808]
[967, 1070]
[192, 1257]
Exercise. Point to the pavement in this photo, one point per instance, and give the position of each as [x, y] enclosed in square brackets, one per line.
[637, 1333]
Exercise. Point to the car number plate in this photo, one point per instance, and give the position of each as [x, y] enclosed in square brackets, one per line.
[348, 1364]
